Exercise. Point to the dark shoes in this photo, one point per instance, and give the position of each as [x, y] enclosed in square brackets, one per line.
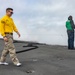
[71, 48]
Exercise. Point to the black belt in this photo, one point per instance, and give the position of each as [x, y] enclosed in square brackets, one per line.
[8, 33]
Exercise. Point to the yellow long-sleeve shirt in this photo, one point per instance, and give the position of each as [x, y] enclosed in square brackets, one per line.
[7, 25]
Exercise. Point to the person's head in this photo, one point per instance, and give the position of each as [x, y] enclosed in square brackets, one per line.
[9, 12]
[70, 17]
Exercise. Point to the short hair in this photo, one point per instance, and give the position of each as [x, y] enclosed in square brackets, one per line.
[9, 9]
[70, 17]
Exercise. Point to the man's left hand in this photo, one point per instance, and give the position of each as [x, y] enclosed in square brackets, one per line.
[18, 34]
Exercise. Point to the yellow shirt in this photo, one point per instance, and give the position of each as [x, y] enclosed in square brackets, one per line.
[7, 25]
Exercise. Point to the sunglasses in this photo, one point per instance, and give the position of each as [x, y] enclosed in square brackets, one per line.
[11, 12]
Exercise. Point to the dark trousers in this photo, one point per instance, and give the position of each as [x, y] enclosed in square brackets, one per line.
[70, 39]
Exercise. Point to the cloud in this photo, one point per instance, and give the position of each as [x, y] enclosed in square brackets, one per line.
[40, 20]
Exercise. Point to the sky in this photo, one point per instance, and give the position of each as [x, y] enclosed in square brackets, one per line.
[40, 21]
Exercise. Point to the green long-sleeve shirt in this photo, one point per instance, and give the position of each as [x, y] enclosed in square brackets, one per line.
[68, 25]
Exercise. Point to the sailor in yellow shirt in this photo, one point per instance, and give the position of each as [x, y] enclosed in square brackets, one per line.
[7, 27]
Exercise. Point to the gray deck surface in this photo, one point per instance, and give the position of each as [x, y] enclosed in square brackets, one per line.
[44, 60]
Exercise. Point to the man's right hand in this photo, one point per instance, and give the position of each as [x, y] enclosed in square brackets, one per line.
[5, 39]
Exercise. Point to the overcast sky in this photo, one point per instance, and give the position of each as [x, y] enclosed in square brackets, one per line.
[40, 20]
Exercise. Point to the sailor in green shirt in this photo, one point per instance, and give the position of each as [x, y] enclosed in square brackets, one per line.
[70, 31]
[68, 25]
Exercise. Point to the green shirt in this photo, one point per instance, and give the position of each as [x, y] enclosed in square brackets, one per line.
[68, 25]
